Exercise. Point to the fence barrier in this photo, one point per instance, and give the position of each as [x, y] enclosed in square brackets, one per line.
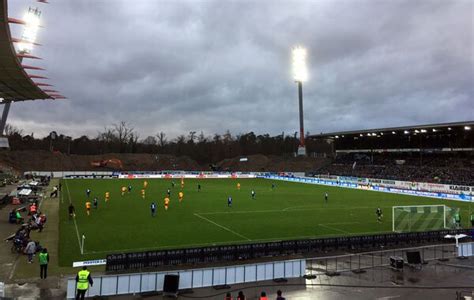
[239, 252]
[369, 260]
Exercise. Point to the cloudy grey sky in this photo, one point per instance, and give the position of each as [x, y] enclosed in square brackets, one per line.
[177, 66]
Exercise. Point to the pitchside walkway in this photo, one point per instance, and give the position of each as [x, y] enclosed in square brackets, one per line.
[22, 278]
[6, 260]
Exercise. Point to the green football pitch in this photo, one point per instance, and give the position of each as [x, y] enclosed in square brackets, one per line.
[203, 218]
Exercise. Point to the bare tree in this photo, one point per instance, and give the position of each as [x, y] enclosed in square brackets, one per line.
[150, 140]
[125, 134]
[107, 136]
[192, 136]
[161, 138]
[133, 141]
[11, 130]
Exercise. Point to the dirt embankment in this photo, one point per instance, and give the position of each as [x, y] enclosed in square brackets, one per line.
[33, 160]
[47, 161]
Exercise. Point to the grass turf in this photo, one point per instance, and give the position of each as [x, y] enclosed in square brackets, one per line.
[290, 211]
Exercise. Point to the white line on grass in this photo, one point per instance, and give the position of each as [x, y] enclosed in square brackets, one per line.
[343, 223]
[333, 228]
[288, 209]
[223, 227]
[74, 218]
[62, 197]
[345, 207]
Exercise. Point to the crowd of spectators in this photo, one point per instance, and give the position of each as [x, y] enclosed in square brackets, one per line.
[448, 168]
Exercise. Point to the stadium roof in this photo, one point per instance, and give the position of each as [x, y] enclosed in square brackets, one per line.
[15, 83]
[440, 127]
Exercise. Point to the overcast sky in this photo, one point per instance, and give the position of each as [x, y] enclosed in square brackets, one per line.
[179, 66]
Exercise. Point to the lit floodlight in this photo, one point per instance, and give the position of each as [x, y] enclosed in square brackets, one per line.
[467, 127]
[406, 132]
[300, 73]
[434, 130]
[32, 22]
[449, 128]
[423, 131]
[393, 132]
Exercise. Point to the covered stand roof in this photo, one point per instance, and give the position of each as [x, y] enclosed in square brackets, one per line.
[431, 128]
[15, 83]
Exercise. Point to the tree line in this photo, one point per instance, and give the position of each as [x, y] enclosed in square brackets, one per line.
[123, 138]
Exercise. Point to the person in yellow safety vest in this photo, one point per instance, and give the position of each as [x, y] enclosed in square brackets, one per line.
[83, 279]
[43, 261]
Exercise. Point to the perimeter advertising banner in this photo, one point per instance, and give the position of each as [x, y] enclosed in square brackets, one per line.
[201, 175]
[443, 191]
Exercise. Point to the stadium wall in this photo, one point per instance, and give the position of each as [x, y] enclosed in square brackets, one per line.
[423, 189]
[123, 284]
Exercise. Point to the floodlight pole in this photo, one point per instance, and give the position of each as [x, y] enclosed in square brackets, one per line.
[301, 147]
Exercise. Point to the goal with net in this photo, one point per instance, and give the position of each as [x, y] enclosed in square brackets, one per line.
[422, 217]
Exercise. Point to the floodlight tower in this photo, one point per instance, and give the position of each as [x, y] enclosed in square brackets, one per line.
[300, 74]
[28, 38]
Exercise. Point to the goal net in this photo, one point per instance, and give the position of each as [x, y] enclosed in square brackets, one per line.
[422, 218]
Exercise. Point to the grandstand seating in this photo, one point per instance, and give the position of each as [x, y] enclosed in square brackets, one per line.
[448, 168]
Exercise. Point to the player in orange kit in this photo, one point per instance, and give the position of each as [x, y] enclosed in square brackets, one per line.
[124, 190]
[88, 208]
[107, 197]
[145, 184]
[167, 203]
[238, 186]
[180, 196]
[143, 193]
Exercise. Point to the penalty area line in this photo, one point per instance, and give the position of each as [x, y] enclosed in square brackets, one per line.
[221, 226]
[334, 229]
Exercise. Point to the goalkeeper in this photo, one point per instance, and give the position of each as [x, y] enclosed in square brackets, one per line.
[379, 214]
[457, 220]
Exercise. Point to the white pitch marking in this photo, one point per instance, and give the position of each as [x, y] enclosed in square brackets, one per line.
[332, 228]
[223, 227]
[74, 218]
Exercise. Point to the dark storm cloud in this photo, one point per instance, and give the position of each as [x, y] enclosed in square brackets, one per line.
[178, 66]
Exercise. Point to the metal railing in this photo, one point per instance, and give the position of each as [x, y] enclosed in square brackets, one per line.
[239, 252]
[373, 259]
